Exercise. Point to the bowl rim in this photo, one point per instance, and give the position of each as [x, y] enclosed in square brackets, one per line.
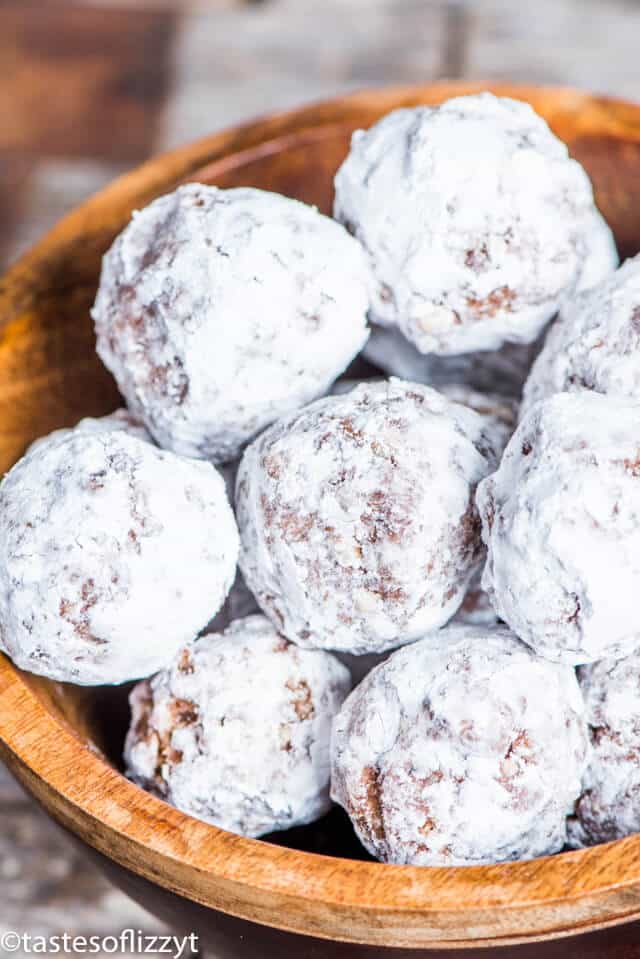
[365, 902]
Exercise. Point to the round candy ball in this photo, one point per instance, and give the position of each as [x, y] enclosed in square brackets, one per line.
[119, 420]
[357, 517]
[561, 520]
[476, 222]
[236, 731]
[595, 342]
[220, 310]
[609, 805]
[463, 748]
[113, 554]
[501, 413]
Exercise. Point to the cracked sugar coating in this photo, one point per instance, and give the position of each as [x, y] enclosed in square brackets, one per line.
[609, 806]
[220, 310]
[595, 343]
[463, 748]
[561, 519]
[357, 518]
[120, 419]
[113, 554]
[476, 222]
[236, 731]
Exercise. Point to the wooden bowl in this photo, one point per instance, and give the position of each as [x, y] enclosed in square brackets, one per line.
[63, 743]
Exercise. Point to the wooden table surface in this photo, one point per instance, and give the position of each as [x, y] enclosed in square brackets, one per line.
[89, 89]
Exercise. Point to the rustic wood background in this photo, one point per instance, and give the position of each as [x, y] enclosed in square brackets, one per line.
[92, 87]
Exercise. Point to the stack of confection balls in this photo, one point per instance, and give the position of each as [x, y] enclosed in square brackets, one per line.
[253, 542]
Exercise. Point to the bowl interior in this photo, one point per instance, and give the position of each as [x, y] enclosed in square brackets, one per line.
[301, 165]
[51, 376]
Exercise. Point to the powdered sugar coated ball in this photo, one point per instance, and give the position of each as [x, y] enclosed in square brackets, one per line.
[500, 413]
[609, 806]
[113, 554]
[236, 731]
[357, 517]
[113, 422]
[476, 222]
[595, 343]
[220, 310]
[561, 519]
[463, 748]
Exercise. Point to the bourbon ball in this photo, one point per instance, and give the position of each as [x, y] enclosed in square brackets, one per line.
[595, 342]
[500, 411]
[609, 804]
[121, 419]
[476, 222]
[561, 520]
[220, 310]
[236, 730]
[113, 554]
[357, 519]
[463, 748]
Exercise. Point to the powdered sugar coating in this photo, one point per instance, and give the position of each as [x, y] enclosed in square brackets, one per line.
[476, 222]
[595, 343]
[502, 371]
[602, 253]
[112, 555]
[609, 807]
[236, 731]
[500, 412]
[220, 310]
[120, 419]
[561, 519]
[501, 416]
[357, 518]
[463, 748]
